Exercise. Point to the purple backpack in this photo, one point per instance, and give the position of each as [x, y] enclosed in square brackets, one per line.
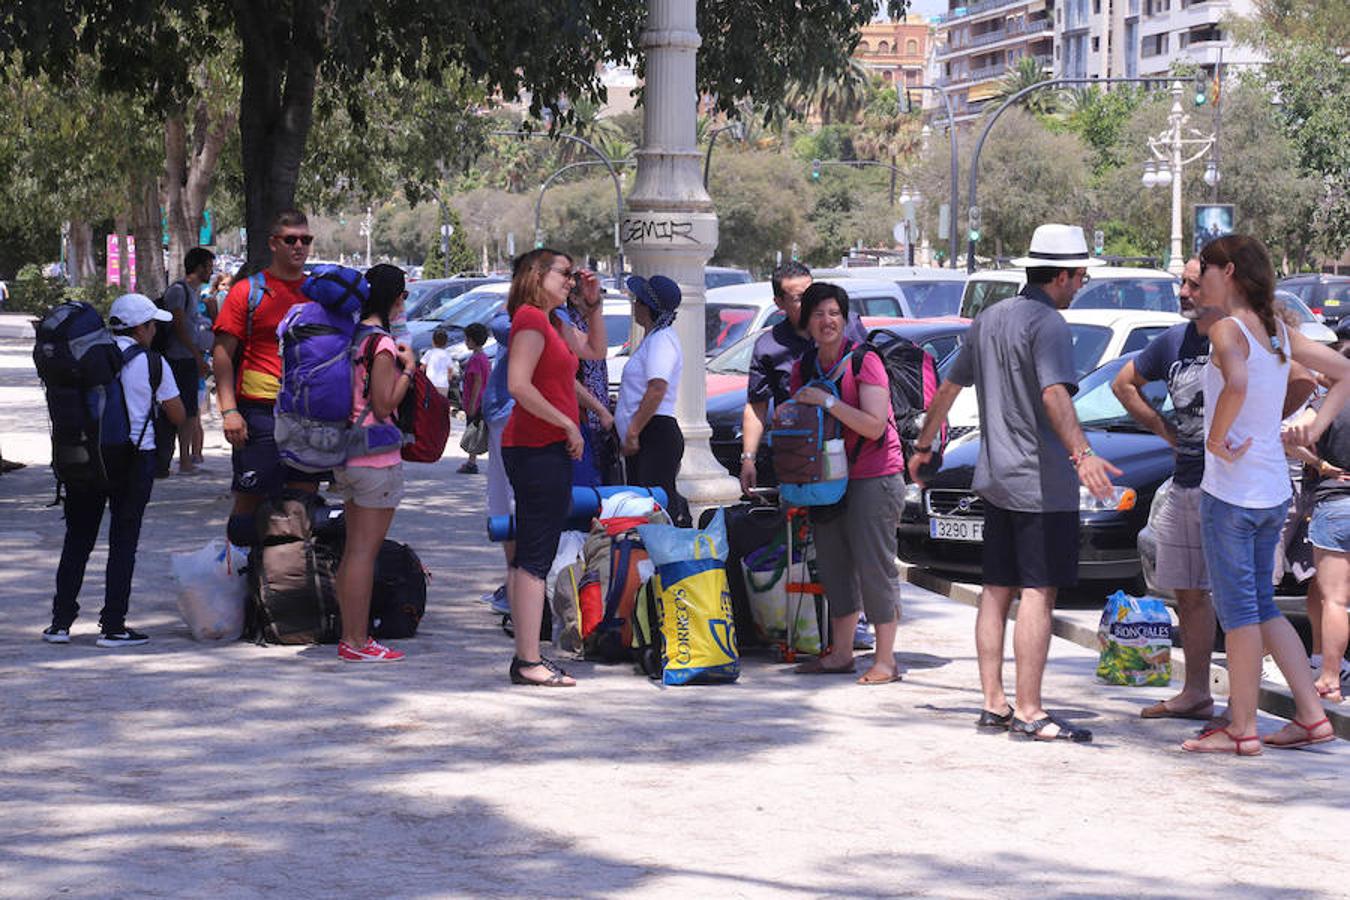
[318, 341]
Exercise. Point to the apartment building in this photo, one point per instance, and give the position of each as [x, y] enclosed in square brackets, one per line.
[1132, 38]
[896, 51]
[976, 44]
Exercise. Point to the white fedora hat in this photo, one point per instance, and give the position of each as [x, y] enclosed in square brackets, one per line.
[1058, 246]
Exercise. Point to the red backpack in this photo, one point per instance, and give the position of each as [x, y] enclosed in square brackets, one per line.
[424, 416]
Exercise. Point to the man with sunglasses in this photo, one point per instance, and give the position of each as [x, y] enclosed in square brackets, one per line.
[246, 359]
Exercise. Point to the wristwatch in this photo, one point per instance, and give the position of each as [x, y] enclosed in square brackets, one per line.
[830, 401]
[746, 457]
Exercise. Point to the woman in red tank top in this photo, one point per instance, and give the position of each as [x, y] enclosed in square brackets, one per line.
[542, 437]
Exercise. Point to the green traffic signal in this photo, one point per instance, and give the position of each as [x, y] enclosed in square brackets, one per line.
[974, 235]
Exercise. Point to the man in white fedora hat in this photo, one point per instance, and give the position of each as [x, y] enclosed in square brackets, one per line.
[1033, 457]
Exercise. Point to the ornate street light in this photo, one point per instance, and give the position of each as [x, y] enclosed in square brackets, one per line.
[1212, 176]
[1169, 149]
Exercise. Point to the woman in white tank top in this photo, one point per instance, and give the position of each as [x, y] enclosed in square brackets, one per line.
[1246, 487]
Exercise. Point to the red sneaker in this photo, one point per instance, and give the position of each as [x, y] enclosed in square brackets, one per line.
[371, 651]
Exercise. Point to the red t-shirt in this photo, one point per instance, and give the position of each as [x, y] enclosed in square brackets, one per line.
[259, 370]
[554, 377]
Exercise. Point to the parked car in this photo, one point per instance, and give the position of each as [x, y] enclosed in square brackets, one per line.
[427, 298]
[713, 276]
[1108, 287]
[1098, 335]
[729, 374]
[1309, 323]
[942, 522]
[738, 310]
[929, 291]
[477, 305]
[1326, 295]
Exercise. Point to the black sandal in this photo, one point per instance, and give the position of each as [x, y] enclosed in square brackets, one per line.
[556, 677]
[1032, 731]
[989, 719]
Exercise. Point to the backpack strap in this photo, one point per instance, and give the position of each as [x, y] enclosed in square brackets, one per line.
[257, 288]
[154, 368]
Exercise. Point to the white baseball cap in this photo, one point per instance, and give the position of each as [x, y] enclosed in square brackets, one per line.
[130, 310]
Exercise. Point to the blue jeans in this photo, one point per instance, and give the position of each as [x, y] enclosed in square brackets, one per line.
[1240, 555]
[1330, 526]
[84, 515]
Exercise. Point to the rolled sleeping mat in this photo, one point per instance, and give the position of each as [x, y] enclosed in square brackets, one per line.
[585, 506]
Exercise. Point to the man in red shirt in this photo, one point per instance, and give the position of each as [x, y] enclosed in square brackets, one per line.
[246, 360]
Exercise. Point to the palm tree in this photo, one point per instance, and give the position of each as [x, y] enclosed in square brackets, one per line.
[887, 133]
[833, 97]
[1026, 73]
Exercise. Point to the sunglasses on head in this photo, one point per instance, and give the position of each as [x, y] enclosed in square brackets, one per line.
[290, 239]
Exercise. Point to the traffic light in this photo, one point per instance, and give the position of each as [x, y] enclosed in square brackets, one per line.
[973, 218]
[1201, 89]
[815, 170]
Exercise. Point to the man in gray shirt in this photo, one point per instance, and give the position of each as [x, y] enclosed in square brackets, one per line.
[1033, 457]
[186, 360]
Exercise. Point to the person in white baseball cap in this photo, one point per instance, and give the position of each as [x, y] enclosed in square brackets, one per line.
[130, 310]
[145, 383]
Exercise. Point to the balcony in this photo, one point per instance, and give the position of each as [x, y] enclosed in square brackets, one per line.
[1017, 28]
[976, 9]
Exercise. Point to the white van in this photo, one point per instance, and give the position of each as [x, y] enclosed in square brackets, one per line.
[1106, 287]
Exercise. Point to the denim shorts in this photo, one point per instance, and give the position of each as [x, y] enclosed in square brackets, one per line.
[1330, 526]
[1240, 554]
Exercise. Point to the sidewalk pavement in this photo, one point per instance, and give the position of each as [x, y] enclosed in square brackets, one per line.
[191, 770]
[16, 326]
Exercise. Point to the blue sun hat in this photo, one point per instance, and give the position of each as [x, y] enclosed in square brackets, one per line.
[659, 294]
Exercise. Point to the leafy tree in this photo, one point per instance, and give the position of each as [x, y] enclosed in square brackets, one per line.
[459, 259]
[760, 209]
[1098, 117]
[750, 48]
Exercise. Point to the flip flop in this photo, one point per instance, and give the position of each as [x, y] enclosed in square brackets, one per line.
[870, 679]
[1201, 712]
[1331, 695]
[816, 667]
[1306, 741]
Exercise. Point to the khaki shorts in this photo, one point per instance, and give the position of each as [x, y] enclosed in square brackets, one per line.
[371, 487]
[1176, 531]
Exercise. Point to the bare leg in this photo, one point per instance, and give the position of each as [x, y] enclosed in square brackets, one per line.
[1284, 644]
[1313, 604]
[186, 433]
[1196, 613]
[883, 663]
[366, 529]
[526, 595]
[840, 653]
[1244, 678]
[990, 624]
[1333, 579]
[1031, 647]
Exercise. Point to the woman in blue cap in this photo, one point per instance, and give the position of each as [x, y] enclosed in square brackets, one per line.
[652, 443]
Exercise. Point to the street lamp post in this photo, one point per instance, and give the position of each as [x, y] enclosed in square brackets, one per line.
[818, 164]
[737, 130]
[548, 182]
[953, 237]
[1170, 149]
[670, 227]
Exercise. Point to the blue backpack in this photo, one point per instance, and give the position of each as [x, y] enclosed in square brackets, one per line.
[808, 447]
[319, 341]
[79, 364]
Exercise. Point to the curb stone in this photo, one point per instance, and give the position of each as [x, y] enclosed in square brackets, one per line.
[1080, 627]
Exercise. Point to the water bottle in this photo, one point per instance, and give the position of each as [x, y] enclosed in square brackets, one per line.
[836, 459]
[1120, 498]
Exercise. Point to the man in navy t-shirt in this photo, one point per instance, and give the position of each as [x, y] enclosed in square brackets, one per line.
[1178, 356]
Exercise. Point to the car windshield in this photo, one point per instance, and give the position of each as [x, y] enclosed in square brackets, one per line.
[1096, 403]
[1339, 290]
[475, 307]
[722, 279]
[933, 298]
[735, 359]
[1296, 306]
[418, 296]
[1156, 294]
[726, 323]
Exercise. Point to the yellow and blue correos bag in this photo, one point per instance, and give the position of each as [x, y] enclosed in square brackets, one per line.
[696, 623]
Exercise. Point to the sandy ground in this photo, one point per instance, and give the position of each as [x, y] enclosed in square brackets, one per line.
[186, 770]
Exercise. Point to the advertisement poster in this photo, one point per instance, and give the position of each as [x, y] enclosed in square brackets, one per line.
[115, 261]
[1212, 221]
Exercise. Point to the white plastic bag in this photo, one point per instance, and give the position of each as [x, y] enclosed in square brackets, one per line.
[212, 590]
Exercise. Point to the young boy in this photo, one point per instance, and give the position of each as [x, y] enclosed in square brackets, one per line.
[132, 319]
[438, 363]
[476, 372]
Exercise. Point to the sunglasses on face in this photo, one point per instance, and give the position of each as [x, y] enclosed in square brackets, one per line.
[290, 239]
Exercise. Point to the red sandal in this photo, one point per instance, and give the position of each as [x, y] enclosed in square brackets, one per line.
[1235, 748]
[1307, 740]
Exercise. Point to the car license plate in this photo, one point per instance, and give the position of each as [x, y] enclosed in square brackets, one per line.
[956, 529]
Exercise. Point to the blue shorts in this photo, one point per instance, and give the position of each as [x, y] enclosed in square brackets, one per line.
[541, 478]
[1240, 555]
[258, 468]
[1330, 526]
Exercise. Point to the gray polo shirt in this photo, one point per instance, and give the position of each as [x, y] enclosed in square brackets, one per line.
[1014, 350]
[178, 296]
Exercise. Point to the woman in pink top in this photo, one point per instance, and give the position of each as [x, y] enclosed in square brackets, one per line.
[855, 545]
[371, 486]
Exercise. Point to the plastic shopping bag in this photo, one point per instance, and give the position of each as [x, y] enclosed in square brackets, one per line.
[784, 593]
[1135, 638]
[698, 632]
[212, 590]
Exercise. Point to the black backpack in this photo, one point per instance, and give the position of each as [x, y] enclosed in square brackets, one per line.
[398, 597]
[164, 330]
[79, 362]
